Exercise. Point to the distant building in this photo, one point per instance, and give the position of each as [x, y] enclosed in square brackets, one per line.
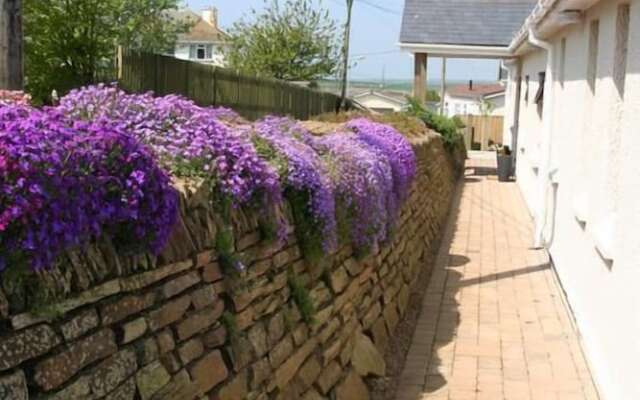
[470, 99]
[382, 101]
[205, 41]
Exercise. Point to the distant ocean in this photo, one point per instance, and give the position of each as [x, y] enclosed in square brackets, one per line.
[400, 85]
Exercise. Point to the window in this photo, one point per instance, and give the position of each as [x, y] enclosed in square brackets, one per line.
[201, 51]
[622, 42]
[561, 65]
[592, 66]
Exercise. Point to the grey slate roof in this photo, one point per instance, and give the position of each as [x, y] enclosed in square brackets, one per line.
[463, 22]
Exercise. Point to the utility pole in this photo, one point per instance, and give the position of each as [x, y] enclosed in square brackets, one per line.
[345, 56]
[11, 55]
[443, 84]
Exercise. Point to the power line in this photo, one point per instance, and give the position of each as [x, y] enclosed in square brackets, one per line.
[380, 8]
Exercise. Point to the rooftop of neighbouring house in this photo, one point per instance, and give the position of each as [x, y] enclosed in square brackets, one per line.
[463, 22]
[475, 90]
[389, 95]
[204, 26]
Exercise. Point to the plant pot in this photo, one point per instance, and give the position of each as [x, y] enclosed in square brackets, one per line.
[504, 167]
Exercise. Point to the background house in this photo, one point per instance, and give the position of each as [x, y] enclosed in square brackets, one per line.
[205, 40]
[471, 98]
[381, 100]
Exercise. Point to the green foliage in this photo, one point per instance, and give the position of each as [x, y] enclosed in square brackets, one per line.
[69, 43]
[225, 247]
[25, 290]
[302, 298]
[445, 126]
[290, 40]
[309, 237]
[433, 95]
[229, 322]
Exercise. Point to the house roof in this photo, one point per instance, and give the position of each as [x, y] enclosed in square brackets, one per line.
[399, 98]
[201, 31]
[477, 91]
[463, 22]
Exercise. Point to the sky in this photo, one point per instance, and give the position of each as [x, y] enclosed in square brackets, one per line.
[374, 36]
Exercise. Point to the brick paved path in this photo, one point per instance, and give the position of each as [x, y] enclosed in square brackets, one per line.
[494, 325]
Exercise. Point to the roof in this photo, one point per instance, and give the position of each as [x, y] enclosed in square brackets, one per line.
[463, 22]
[201, 31]
[478, 90]
[399, 98]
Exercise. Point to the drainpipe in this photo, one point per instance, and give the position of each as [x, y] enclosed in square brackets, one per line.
[547, 117]
[514, 66]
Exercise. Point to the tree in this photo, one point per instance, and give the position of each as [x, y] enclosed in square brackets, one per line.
[291, 41]
[69, 43]
[11, 70]
[345, 56]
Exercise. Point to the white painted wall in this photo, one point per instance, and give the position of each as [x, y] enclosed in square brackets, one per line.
[595, 144]
[182, 52]
[464, 106]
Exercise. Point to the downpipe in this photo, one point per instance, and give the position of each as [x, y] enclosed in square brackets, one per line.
[547, 117]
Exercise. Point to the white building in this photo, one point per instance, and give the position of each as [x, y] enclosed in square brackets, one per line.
[572, 115]
[382, 101]
[205, 40]
[474, 99]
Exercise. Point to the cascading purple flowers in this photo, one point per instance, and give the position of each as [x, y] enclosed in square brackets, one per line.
[63, 183]
[363, 185]
[189, 140]
[398, 152]
[305, 174]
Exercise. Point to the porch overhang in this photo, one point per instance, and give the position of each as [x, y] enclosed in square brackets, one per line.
[457, 51]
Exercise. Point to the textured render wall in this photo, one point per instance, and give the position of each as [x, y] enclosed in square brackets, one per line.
[179, 327]
[595, 147]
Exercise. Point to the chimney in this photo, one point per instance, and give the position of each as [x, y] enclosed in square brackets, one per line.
[470, 84]
[210, 15]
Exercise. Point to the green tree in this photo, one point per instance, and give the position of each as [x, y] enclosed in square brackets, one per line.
[69, 43]
[291, 41]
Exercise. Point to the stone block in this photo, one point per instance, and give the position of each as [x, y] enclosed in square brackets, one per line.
[366, 358]
[80, 324]
[329, 377]
[339, 280]
[371, 315]
[147, 350]
[289, 368]
[112, 372]
[353, 266]
[14, 386]
[151, 379]
[181, 387]
[203, 297]
[165, 341]
[178, 285]
[312, 394]
[257, 335]
[133, 330]
[331, 352]
[171, 362]
[379, 332]
[260, 372]
[215, 337]
[276, 328]
[168, 313]
[391, 316]
[198, 322]
[309, 372]
[145, 279]
[353, 388]
[212, 272]
[126, 391]
[190, 350]
[281, 351]
[235, 389]
[56, 370]
[209, 371]
[25, 345]
[125, 307]
[241, 352]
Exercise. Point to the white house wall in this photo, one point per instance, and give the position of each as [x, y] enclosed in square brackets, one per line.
[595, 145]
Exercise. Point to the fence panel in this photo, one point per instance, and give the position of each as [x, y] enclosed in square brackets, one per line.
[482, 131]
[250, 96]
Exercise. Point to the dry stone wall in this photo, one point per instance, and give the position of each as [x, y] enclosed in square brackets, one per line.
[180, 327]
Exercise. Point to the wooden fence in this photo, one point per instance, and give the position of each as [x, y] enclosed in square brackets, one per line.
[208, 85]
[482, 131]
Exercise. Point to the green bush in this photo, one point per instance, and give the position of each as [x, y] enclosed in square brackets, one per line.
[447, 127]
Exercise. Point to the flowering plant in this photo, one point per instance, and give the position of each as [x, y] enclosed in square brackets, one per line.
[63, 183]
[363, 185]
[306, 183]
[18, 97]
[189, 140]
